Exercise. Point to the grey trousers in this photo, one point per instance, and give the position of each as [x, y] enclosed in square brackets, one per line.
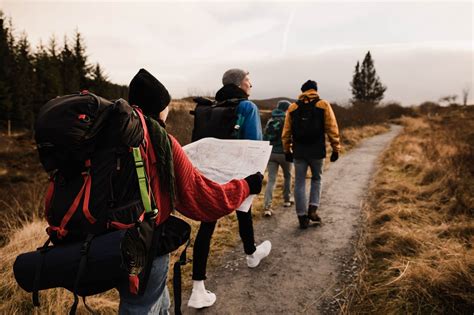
[276, 160]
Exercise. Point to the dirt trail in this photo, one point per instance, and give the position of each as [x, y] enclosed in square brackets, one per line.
[304, 267]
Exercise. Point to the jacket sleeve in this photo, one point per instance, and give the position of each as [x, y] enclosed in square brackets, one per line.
[251, 129]
[200, 198]
[286, 133]
[330, 127]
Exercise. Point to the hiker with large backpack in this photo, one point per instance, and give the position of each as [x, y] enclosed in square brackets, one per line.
[116, 176]
[307, 123]
[272, 132]
[230, 116]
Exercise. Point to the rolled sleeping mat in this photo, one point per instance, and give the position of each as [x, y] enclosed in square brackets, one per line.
[60, 265]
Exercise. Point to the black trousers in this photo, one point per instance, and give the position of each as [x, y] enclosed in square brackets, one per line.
[203, 242]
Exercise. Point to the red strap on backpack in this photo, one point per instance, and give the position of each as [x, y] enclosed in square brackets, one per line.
[83, 192]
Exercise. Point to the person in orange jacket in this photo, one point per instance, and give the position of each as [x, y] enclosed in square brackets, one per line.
[307, 123]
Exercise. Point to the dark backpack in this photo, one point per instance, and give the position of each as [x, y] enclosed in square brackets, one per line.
[216, 119]
[100, 211]
[307, 122]
[273, 129]
[84, 143]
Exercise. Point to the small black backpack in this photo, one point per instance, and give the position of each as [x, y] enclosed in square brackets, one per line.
[273, 129]
[307, 122]
[216, 119]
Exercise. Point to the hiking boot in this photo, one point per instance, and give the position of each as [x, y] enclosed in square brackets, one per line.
[261, 252]
[268, 212]
[287, 204]
[304, 221]
[201, 299]
[313, 216]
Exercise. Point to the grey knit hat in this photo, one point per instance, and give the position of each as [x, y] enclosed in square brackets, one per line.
[234, 76]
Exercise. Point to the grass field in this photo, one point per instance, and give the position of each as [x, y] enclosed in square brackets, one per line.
[416, 247]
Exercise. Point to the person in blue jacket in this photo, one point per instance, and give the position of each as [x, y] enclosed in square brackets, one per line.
[236, 85]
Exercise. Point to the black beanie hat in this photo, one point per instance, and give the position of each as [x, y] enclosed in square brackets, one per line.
[308, 85]
[148, 93]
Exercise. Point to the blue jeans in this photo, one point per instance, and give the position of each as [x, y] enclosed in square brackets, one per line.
[277, 159]
[301, 168]
[155, 300]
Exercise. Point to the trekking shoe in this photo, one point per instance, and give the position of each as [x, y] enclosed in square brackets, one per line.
[292, 200]
[261, 252]
[304, 221]
[287, 204]
[267, 211]
[201, 299]
[313, 216]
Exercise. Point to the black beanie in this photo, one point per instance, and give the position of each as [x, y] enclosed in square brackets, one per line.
[148, 93]
[308, 85]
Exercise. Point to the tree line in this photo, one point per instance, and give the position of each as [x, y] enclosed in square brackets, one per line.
[29, 78]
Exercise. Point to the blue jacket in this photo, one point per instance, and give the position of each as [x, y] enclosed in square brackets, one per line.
[251, 127]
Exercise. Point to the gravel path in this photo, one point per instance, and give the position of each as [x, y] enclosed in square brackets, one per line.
[305, 267]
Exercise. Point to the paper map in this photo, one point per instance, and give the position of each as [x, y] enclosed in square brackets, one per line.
[224, 160]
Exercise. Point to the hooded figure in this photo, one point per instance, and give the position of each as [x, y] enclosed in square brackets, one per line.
[273, 131]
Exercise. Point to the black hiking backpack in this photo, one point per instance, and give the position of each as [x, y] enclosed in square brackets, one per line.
[100, 212]
[307, 123]
[216, 119]
[84, 142]
[273, 129]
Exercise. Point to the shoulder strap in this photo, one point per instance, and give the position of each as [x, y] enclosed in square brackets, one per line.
[142, 166]
[142, 181]
[313, 102]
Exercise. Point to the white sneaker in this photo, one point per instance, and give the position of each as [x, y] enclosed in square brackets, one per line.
[201, 298]
[261, 252]
[287, 204]
[268, 212]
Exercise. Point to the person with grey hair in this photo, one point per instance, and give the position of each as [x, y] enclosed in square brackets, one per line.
[234, 76]
[272, 133]
[236, 90]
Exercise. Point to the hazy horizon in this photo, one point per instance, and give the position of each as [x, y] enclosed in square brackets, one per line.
[422, 50]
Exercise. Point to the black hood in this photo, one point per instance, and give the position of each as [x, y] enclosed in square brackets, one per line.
[230, 91]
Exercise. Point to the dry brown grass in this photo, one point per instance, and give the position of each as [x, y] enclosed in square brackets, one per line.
[417, 246]
[27, 232]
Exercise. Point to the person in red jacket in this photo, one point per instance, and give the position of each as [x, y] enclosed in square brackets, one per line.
[197, 197]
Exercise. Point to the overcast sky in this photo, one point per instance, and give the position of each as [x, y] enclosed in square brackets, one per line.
[422, 50]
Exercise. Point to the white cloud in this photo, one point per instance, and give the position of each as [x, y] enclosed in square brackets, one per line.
[188, 45]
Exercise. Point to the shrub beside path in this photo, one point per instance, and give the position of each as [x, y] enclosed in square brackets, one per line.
[305, 267]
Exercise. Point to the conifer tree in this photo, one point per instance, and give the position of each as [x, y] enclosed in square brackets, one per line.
[366, 85]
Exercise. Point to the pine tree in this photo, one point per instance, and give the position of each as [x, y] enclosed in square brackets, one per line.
[366, 86]
[69, 72]
[80, 61]
[23, 93]
[99, 83]
[7, 64]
